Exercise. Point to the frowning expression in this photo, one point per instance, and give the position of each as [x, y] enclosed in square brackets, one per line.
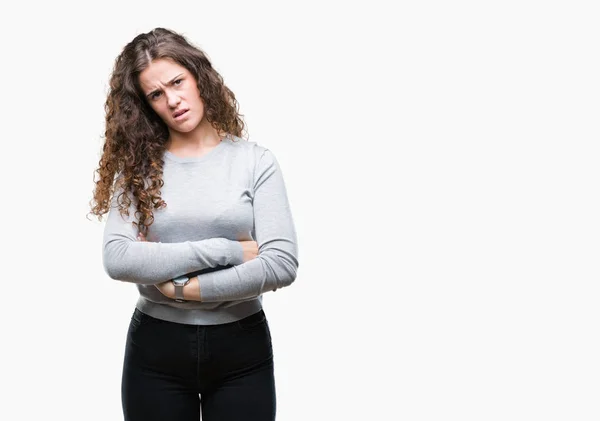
[172, 92]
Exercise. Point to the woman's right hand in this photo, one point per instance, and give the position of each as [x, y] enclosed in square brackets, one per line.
[250, 250]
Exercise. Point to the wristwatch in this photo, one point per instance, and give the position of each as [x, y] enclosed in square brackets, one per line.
[179, 283]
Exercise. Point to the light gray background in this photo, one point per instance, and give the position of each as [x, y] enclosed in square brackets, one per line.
[441, 160]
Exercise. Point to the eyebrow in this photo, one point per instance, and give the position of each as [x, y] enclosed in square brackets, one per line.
[168, 83]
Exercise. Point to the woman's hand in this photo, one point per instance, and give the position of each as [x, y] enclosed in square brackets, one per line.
[250, 250]
[166, 288]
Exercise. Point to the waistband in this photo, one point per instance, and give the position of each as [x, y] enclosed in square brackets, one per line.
[226, 313]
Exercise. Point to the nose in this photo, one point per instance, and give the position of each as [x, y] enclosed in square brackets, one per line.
[172, 98]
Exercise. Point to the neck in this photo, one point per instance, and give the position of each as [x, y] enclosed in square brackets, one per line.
[203, 138]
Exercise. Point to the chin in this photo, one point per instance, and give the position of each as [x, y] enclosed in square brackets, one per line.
[186, 127]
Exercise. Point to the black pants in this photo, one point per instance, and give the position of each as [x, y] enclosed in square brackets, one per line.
[167, 365]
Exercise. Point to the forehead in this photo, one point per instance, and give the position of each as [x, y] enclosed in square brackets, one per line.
[160, 72]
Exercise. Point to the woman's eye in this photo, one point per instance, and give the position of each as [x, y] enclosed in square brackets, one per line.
[154, 95]
[177, 81]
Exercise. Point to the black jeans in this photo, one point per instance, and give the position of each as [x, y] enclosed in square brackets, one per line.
[167, 365]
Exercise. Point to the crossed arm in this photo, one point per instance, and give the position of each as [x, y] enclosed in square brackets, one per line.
[274, 266]
[191, 292]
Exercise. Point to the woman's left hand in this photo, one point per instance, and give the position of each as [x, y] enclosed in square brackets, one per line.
[166, 288]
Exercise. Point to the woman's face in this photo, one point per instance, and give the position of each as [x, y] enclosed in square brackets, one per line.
[171, 89]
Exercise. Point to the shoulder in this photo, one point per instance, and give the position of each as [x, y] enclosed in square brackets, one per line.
[258, 159]
[247, 146]
[253, 153]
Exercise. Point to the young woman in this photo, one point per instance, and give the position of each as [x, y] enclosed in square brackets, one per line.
[199, 219]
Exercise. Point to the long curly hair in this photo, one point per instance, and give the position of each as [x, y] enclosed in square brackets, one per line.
[135, 136]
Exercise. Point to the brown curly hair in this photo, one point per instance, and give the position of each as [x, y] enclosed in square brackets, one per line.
[135, 136]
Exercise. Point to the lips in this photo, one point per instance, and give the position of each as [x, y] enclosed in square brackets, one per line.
[178, 113]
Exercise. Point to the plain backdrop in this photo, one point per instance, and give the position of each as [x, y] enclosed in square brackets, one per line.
[441, 161]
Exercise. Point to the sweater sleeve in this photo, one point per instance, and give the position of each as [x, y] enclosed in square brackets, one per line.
[129, 260]
[277, 261]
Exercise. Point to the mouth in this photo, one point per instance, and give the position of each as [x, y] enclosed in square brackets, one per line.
[179, 113]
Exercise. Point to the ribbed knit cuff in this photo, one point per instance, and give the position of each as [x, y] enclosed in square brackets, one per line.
[236, 254]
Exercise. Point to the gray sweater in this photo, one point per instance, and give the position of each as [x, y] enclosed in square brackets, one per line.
[234, 192]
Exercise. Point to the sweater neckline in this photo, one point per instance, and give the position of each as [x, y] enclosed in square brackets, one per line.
[209, 155]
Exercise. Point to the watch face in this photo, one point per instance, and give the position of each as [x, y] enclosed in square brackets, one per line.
[182, 280]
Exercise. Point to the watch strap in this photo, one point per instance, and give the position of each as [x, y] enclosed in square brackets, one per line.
[179, 293]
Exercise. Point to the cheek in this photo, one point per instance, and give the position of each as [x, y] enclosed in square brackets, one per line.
[161, 111]
[200, 106]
